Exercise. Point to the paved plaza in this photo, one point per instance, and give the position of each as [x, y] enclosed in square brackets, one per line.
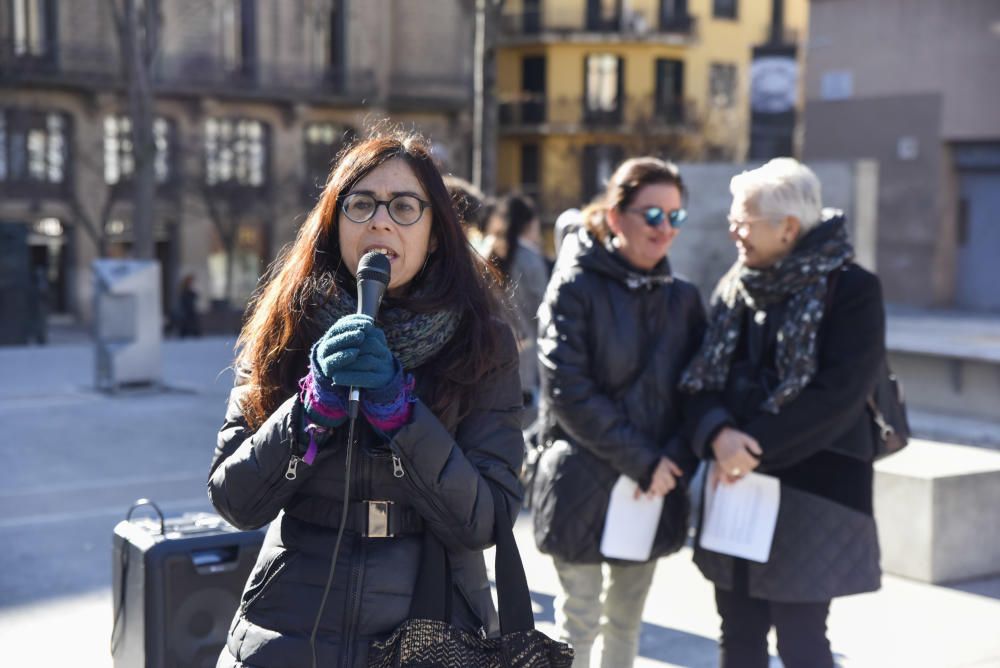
[74, 459]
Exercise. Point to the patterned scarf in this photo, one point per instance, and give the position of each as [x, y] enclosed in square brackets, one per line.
[413, 337]
[801, 279]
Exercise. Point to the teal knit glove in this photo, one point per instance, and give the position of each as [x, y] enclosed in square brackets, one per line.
[354, 353]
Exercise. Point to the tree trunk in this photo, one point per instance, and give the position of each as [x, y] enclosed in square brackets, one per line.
[139, 38]
[484, 122]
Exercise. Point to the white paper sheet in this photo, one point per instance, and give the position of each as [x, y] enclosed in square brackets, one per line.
[630, 525]
[740, 518]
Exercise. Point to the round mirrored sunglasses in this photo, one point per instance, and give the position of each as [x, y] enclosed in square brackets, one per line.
[654, 216]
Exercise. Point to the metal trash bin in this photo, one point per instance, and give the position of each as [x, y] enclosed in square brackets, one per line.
[128, 324]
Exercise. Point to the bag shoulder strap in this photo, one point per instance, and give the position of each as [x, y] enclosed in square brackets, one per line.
[432, 594]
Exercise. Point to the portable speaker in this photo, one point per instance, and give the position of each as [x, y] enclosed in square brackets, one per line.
[177, 584]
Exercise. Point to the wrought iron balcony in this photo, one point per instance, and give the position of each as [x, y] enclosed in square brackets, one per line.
[566, 23]
[410, 91]
[529, 113]
[98, 68]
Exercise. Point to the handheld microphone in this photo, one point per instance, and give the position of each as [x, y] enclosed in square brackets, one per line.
[373, 278]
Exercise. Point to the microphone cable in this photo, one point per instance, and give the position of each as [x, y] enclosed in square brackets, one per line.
[353, 416]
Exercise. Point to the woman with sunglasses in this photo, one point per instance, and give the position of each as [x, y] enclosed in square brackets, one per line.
[615, 331]
[438, 431]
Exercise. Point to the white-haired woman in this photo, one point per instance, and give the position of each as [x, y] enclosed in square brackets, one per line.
[793, 347]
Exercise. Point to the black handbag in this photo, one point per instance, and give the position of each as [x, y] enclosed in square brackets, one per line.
[428, 640]
[888, 410]
[885, 403]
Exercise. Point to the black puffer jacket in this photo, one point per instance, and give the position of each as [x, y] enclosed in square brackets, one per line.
[447, 471]
[819, 445]
[612, 344]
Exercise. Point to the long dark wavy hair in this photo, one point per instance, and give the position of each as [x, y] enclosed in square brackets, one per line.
[279, 327]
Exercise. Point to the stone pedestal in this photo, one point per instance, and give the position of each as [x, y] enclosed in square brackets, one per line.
[938, 511]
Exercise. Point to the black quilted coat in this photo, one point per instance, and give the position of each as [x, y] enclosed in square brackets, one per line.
[819, 446]
[612, 344]
[448, 469]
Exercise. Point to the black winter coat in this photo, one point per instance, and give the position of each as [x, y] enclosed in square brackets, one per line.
[448, 470]
[613, 342]
[819, 445]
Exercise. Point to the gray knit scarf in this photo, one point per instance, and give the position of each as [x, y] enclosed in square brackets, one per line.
[801, 279]
[413, 337]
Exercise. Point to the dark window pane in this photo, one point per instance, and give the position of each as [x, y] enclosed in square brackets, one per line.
[670, 89]
[724, 9]
[599, 162]
[530, 171]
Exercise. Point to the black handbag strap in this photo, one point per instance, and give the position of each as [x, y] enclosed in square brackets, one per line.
[432, 594]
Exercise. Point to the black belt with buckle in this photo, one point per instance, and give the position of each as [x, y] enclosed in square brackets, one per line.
[372, 519]
[379, 519]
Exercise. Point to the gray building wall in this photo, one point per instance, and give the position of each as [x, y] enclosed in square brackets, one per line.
[423, 42]
[904, 47]
[915, 229]
[703, 251]
[896, 81]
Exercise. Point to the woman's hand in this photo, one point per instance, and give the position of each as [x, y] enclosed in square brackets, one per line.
[664, 479]
[354, 353]
[736, 454]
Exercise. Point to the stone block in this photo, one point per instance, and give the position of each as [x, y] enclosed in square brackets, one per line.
[937, 506]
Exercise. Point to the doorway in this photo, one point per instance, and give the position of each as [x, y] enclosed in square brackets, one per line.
[978, 271]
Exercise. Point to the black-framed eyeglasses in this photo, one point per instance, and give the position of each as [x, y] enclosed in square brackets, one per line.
[654, 216]
[403, 209]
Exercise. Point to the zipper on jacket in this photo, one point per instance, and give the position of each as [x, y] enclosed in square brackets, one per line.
[357, 579]
[293, 464]
[267, 583]
[422, 487]
[397, 467]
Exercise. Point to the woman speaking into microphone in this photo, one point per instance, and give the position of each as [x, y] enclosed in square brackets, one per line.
[438, 430]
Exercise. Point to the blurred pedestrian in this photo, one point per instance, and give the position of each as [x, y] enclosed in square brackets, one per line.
[474, 209]
[794, 344]
[525, 271]
[615, 331]
[439, 432]
[40, 307]
[188, 321]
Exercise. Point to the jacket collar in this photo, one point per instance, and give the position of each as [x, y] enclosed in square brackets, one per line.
[582, 250]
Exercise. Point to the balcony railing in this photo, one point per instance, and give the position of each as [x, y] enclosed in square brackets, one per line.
[90, 67]
[200, 72]
[528, 110]
[98, 67]
[429, 90]
[566, 21]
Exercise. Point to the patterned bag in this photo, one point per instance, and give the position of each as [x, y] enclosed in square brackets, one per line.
[427, 640]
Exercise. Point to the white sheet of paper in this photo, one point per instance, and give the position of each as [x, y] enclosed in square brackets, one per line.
[740, 518]
[630, 525]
